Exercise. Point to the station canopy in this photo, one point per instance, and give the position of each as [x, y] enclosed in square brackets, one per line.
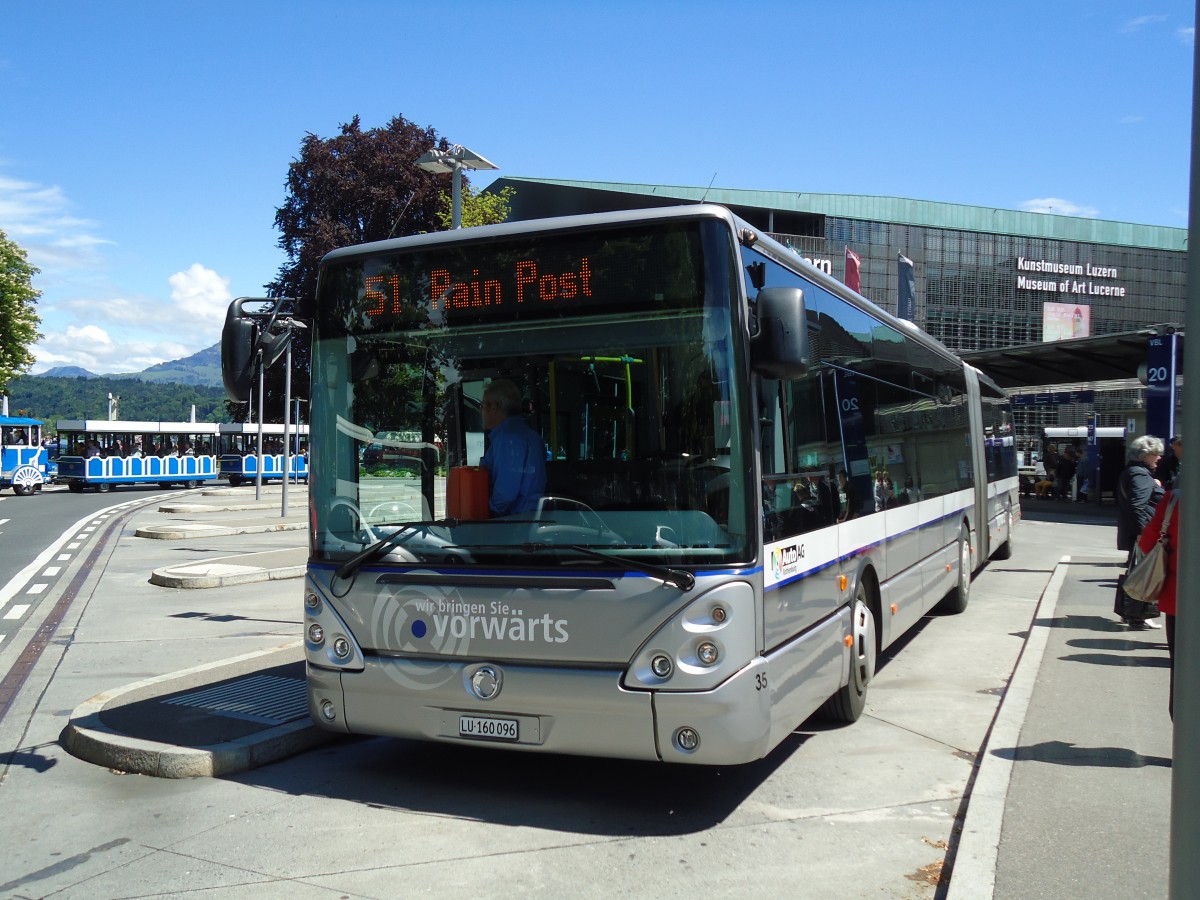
[1109, 357]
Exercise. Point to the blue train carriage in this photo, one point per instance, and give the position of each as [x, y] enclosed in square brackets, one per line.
[101, 454]
[239, 451]
[23, 459]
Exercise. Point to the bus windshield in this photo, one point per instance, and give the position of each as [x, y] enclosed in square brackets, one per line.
[563, 397]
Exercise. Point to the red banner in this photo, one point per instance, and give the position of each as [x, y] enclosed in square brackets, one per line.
[853, 261]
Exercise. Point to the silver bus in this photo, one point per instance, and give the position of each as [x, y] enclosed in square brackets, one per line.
[755, 481]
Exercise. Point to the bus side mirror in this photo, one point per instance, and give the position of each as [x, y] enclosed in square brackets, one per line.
[237, 352]
[780, 348]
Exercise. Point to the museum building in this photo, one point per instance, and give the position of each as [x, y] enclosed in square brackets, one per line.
[984, 278]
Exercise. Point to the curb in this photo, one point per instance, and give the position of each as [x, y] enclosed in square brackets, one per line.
[88, 738]
[181, 530]
[211, 576]
[973, 876]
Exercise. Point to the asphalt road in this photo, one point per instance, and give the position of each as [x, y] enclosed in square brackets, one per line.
[35, 537]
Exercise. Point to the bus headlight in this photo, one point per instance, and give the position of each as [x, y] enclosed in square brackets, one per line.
[328, 642]
[703, 644]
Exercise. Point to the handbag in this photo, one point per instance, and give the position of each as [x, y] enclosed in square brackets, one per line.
[1146, 576]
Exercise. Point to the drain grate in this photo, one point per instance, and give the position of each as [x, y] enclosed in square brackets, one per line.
[266, 699]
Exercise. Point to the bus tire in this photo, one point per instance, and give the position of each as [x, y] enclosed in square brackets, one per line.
[848, 703]
[191, 484]
[22, 490]
[74, 487]
[103, 487]
[235, 480]
[956, 601]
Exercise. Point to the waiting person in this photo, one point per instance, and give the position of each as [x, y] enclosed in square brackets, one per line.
[883, 491]
[1166, 597]
[1138, 492]
[1064, 472]
[1168, 466]
[515, 458]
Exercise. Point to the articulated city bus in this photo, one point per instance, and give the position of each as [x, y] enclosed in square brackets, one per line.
[755, 480]
[103, 454]
[239, 451]
[24, 466]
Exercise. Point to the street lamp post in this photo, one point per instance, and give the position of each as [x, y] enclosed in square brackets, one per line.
[454, 161]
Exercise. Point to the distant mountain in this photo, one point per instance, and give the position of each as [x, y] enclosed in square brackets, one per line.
[203, 368]
[66, 372]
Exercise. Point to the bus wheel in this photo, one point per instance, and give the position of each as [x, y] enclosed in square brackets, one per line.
[103, 487]
[956, 600]
[190, 484]
[235, 480]
[75, 487]
[848, 703]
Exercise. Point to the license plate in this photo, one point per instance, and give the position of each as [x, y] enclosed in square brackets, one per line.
[486, 727]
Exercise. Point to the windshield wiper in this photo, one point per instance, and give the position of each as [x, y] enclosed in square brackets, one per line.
[678, 578]
[385, 543]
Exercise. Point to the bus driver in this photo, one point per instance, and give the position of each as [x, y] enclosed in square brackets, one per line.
[516, 456]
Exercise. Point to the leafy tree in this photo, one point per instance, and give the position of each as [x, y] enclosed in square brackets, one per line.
[356, 187]
[477, 208]
[18, 319]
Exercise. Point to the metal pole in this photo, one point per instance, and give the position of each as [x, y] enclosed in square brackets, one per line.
[456, 189]
[258, 474]
[1185, 770]
[287, 408]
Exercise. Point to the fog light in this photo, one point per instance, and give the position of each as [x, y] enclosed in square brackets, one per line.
[661, 666]
[316, 634]
[687, 739]
[707, 653]
[341, 647]
[719, 614]
[328, 713]
[312, 602]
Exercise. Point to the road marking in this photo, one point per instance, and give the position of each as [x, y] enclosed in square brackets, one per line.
[63, 557]
[52, 571]
[75, 546]
[5, 521]
[18, 610]
[37, 588]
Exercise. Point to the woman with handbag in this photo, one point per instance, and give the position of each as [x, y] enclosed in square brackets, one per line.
[1138, 494]
[1153, 532]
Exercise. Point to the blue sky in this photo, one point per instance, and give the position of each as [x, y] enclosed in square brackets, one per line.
[144, 145]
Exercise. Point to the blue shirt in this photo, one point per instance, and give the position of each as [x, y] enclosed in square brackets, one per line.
[516, 463]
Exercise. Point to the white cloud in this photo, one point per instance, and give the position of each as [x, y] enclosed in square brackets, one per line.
[1130, 120]
[1141, 22]
[200, 295]
[37, 217]
[1186, 35]
[1059, 207]
[96, 350]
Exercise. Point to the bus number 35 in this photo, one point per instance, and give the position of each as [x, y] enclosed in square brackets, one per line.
[760, 681]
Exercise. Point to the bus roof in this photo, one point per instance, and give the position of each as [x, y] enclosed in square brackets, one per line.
[7, 421]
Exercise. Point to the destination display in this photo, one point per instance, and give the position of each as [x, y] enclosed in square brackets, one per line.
[652, 268]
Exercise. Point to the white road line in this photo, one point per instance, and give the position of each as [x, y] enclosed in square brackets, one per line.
[37, 588]
[63, 557]
[75, 546]
[52, 571]
[22, 578]
[5, 521]
[18, 610]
